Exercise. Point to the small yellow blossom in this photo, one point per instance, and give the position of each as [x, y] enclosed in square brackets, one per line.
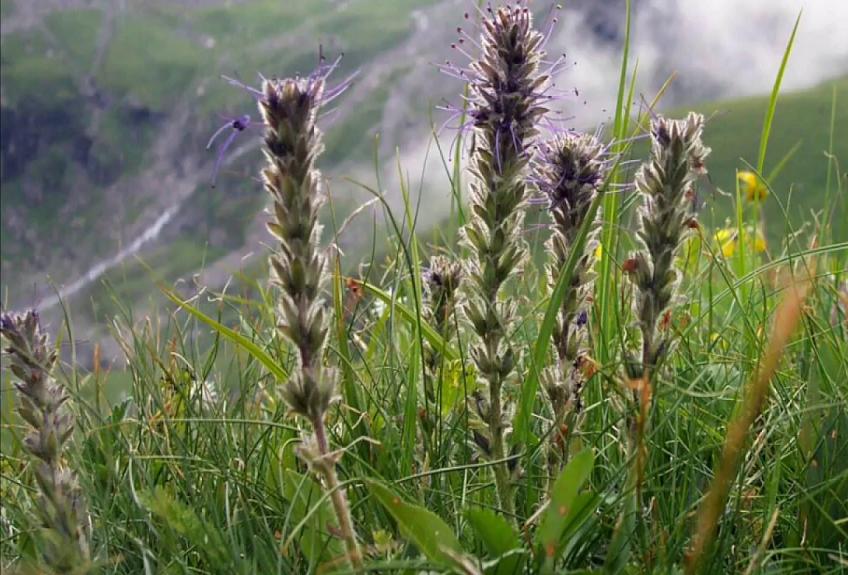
[726, 240]
[760, 245]
[755, 189]
[599, 251]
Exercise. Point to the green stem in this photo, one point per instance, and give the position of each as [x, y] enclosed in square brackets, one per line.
[503, 482]
[327, 468]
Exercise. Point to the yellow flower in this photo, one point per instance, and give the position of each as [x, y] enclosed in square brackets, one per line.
[759, 241]
[755, 189]
[726, 240]
[599, 251]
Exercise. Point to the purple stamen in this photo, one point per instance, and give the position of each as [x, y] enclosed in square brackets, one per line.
[239, 84]
[338, 90]
[236, 125]
[312, 85]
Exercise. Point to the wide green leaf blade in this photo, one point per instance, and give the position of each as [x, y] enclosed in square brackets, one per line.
[499, 538]
[558, 514]
[250, 347]
[767, 122]
[305, 496]
[430, 334]
[424, 528]
[183, 520]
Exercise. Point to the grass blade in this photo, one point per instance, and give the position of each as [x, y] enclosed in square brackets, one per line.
[522, 433]
[430, 334]
[250, 347]
[773, 101]
[561, 505]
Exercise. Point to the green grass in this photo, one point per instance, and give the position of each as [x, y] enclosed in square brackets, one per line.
[76, 33]
[801, 118]
[151, 61]
[236, 27]
[30, 70]
[146, 463]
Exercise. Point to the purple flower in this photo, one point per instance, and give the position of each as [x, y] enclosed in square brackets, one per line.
[312, 86]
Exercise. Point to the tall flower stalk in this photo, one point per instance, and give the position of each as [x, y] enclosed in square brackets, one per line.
[507, 93]
[41, 403]
[569, 172]
[290, 109]
[666, 184]
[441, 283]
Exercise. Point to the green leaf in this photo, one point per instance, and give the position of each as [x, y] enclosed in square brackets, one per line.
[764, 137]
[349, 388]
[562, 504]
[183, 520]
[606, 282]
[424, 528]
[499, 538]
[250, 347]
[456, 380]
[410, 411]
[618, 553]
[304, 494]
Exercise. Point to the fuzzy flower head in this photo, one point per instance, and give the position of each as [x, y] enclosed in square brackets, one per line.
[41, 404]
[290, 110]
[666, 183]
[32, 358]
[569, 171]
[441, 280]
[41, 400]
[507, 87]
[292, 101]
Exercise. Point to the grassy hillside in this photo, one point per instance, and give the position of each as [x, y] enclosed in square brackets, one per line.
[802, 128]
[106, 113]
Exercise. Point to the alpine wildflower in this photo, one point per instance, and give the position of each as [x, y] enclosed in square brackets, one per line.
[289, 109]
[569, 171]
[441, 295]
[726, 240]
[42, 405]
[665, 183]
[441, 283]
[753, 186]
[507, 97]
